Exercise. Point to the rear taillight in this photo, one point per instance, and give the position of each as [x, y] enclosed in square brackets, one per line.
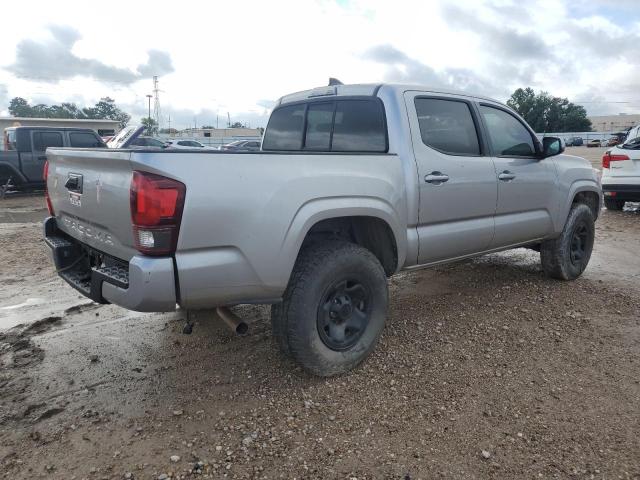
[156, 212]
[607, 158]
[45, 176]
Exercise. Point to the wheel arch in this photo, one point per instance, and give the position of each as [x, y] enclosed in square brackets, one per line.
[370, 222]
[581, 191]
[8, 170]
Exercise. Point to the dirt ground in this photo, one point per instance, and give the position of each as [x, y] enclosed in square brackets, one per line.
[486, 369]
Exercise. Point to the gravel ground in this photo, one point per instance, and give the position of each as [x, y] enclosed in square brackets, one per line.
[486, 369]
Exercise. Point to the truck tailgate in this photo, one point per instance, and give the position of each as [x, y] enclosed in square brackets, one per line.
[89, 191]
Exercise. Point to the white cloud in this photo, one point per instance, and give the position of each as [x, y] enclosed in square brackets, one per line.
[240, 56]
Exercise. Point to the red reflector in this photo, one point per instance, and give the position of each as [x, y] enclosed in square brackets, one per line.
[607, 158]
[156, 211]
[45, 176]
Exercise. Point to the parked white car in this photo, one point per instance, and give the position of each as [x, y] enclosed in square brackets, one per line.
[186, 144]
[621, 172]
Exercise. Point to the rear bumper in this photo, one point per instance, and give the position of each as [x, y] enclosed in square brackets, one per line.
[627, 193]
[144, 284]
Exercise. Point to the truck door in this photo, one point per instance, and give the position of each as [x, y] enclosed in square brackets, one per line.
[33, 163]
[527, 185]
[456, 177]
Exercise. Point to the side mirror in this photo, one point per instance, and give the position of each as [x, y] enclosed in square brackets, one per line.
[552, 146]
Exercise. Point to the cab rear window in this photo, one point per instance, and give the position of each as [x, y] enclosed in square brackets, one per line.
[342, 125]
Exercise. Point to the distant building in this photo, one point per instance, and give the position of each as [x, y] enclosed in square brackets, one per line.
[614, 123]
[102, 127]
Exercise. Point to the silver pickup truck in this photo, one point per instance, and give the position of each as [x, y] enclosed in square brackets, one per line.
[353, 184]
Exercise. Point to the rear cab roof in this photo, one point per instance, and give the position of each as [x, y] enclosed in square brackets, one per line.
[65, 129]
[370, 89]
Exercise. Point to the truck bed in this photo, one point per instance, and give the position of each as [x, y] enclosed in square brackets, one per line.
[243, 214]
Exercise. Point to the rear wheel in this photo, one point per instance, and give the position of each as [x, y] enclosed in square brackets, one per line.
[334, 308]
[613, 204]
[567, 256]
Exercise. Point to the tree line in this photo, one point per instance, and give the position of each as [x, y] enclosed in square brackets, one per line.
[106, 108]
[542, 111]
[546, 113]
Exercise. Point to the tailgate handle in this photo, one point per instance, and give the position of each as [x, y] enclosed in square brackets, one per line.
[74, 183]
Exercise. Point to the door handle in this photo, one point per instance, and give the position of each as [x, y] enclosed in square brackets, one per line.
[436, 178]
[506, 176]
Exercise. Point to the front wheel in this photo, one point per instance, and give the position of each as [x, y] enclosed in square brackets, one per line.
[334, 308]
[567, 256]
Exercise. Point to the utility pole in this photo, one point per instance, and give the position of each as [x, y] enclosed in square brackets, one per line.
[156, 101]
[149, 128]
[149, 98]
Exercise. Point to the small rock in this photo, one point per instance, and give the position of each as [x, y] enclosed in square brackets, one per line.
[246, 441]
[94, 358]
[163, 476]
[177, 413]
[485, 454]
[128, 476]
[175, 458]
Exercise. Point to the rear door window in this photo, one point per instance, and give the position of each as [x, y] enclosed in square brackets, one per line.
[359, 127]
[84, 140]
[284, 131]
[43, 140]
[507, 135]
[447, 126]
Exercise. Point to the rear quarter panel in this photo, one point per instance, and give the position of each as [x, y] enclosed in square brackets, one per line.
[246, 214]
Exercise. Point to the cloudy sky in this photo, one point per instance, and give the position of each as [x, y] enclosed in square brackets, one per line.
[215, 57]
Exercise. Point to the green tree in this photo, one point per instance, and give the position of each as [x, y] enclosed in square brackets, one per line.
[237, 125]
[150, 126]
[546, 113]
[105, 109]
[19, 107]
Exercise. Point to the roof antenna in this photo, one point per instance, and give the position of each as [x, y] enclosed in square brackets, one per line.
[334, 81]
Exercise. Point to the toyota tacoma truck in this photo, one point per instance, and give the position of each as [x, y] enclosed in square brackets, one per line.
[353, 184]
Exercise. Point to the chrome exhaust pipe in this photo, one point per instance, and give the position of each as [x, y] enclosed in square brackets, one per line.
[234, 322]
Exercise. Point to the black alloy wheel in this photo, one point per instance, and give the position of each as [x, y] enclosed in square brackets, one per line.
[343, 314]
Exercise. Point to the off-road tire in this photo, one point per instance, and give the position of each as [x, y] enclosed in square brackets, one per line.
[613, 204]
[296, 321]
[278, 329]
[559, 256]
